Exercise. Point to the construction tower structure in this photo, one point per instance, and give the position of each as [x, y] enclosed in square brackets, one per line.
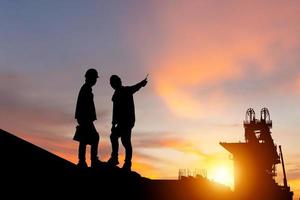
[255, 161]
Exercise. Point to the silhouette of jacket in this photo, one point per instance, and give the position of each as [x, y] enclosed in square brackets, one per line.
[85, 108]
[85, 114]
[123, 105]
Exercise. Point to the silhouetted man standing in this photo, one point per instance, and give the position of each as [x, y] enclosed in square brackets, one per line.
[123, 119]
[85, 114]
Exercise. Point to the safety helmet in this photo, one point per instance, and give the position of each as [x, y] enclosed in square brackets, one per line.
[91, 73]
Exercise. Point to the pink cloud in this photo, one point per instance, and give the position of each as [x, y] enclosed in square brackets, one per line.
[205, 45]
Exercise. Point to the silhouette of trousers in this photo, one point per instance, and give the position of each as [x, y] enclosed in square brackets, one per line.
[125, 133]
[93, 140]
[94, 151]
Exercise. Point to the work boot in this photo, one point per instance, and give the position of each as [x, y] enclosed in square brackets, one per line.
[82, 164]
[113, 161]
[127, 166]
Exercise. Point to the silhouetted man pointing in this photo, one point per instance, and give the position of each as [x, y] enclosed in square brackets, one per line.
[85, 114]
[123, 119]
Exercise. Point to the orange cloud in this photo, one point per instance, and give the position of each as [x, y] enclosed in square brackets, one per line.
[205, 45]
[175, 80]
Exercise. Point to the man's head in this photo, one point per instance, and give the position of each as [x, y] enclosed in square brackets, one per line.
[91, 76]
[115, 82]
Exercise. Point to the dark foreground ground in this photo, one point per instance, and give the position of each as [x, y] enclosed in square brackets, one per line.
[29, 171]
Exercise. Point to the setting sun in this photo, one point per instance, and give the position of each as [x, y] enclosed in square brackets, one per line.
[222, 175]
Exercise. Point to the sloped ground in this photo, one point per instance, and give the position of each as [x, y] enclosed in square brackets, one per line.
[29, 171]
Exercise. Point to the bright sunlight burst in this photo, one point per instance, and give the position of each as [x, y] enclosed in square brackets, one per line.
[222, 175]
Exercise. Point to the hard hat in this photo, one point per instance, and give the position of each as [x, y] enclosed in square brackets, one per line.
[91, 73]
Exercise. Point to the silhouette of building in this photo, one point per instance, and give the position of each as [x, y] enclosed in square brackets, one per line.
[255, 161]
[187, 187]
[182, 173]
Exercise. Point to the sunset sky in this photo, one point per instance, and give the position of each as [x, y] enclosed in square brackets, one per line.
[208, 61]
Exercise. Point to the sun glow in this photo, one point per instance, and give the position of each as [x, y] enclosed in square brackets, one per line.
[222, 175]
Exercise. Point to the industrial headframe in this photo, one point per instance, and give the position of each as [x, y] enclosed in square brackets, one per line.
[255, 161]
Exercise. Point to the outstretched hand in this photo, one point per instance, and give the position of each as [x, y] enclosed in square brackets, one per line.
[145, 81]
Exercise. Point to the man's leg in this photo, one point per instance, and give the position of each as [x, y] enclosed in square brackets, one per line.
[115, 145]
[115, 149]
[81, 155]
[94, 149]
[126, 141]
[81, 152]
